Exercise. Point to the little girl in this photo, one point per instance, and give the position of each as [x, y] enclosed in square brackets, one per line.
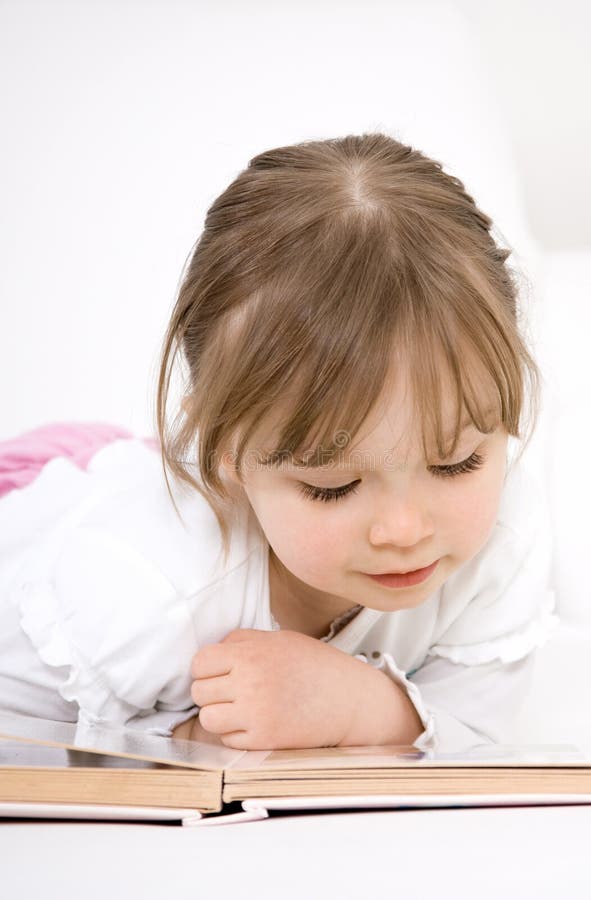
[333, 542]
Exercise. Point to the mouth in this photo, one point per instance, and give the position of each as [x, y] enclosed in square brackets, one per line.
[404, 579]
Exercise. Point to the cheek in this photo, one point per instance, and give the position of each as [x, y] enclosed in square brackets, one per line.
[325, 544]
[310, 538]
[475, 512]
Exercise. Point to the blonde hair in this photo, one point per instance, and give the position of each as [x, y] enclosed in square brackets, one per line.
[320, 264]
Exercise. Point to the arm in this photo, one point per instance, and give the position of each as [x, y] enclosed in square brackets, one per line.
[453, 706]
[387, 715]
[88, 619]
[445, 705]
[286, 690]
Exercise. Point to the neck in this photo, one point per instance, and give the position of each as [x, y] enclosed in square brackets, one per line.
[296, 606]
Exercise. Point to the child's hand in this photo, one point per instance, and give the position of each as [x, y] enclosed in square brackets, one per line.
[268, 690]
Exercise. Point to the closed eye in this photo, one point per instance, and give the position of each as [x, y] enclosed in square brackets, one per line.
[312, 492]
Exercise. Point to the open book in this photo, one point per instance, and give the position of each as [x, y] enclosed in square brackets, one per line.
[62, 764]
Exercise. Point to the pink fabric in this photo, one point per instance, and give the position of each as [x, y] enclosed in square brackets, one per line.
[23, 457]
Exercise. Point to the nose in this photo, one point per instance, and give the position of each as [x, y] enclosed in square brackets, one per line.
[401, 523]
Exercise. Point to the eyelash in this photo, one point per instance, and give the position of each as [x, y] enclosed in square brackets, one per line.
[327, 494]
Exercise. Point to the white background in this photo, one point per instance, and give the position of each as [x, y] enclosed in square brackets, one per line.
[122, 121]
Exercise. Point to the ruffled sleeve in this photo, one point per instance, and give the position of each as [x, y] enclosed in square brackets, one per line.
[385, 663]
[113, 624]
[462, 706]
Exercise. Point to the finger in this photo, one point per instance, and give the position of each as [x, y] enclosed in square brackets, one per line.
[220, 718]
[211, 660]
[237, 740]
[242, 634]
[211, 690]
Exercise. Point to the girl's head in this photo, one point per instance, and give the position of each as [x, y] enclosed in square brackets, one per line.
[346, 306]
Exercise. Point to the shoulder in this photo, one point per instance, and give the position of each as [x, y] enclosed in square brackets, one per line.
[120, 590]
[182, 539]
[184, 546]
[121, 500]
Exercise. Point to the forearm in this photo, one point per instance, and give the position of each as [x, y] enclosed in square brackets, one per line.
[386, 715]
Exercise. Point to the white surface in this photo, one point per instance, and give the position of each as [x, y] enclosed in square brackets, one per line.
[545, 104]
[557, 709]
[466, 854]
[565, 327]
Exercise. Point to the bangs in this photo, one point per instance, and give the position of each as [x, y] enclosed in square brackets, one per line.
[438, 334]
[336, 431]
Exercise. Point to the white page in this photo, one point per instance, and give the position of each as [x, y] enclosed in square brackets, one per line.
[94, 811]
[412, 801]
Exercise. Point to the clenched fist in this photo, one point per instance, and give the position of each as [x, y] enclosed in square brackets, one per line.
[269, 690]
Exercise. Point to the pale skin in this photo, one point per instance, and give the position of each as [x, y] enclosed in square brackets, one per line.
[287, 689]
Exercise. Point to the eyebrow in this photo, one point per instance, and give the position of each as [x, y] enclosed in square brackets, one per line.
[275, 459]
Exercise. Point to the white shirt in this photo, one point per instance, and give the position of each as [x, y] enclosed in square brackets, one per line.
[105, 597]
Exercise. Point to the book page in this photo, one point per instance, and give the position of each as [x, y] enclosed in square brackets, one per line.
[409, 756]
[117, 741]
[214, 756]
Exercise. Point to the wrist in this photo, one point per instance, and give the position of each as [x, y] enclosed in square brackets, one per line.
[384, 713]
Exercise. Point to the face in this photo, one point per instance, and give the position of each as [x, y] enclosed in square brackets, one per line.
[378, 508]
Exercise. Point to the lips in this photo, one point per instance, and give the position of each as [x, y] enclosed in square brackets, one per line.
[406, 571]
[405, 579]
